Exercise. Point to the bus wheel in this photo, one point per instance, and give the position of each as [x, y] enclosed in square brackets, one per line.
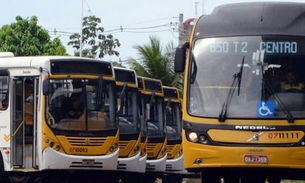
[171, 179]
[232, 180]
[1, 168]
[210, 179]
[253, 180]
[274, 180]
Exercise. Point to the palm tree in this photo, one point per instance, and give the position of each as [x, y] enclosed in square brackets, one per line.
[156, 63]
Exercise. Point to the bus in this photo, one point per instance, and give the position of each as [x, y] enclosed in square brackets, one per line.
[152, 104]
[239, 122]
[129, 121]
[58, 118]
[173, 117]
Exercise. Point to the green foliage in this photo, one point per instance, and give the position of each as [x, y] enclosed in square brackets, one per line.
[95, 43]
[26, 38]
[157, 63]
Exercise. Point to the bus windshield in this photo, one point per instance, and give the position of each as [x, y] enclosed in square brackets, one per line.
[247, 77]
[73, 105]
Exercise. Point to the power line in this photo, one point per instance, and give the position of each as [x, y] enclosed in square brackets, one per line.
[89, 9]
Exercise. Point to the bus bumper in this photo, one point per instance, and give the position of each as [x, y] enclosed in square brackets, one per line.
[54, 160]
[157, 165]
[129, 164]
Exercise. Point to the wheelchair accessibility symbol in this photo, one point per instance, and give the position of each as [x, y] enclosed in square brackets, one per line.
[265, 108]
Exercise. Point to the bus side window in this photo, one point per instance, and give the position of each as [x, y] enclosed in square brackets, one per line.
[3, 92]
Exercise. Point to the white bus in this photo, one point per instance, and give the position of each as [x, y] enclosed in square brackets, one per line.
[41, 128]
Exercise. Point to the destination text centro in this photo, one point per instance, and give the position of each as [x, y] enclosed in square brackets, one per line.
[279, 47]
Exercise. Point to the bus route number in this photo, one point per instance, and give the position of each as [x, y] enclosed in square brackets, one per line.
[78, 150]
[224, 47]
[283, 135]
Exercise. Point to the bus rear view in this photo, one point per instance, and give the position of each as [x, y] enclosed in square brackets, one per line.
[244, 101]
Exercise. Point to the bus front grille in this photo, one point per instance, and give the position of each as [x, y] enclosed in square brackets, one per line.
[81, 141]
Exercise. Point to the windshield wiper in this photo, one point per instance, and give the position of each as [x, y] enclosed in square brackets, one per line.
[240, 75]
[289, 116]
[194, 70]
[223, 114]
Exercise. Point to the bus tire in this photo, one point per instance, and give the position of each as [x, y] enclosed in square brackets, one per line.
[2, 173]
[171, 179]
[210, 179]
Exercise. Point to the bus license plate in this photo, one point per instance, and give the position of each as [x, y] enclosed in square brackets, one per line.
[88, 162]
[255, 159]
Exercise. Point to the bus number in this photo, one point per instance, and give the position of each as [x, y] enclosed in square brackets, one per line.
[219, 47]
[283, 135]
[78, 150]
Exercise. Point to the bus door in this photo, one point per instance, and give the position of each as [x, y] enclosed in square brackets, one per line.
[24, 121]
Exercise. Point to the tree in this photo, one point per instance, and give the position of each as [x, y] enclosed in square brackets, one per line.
[157, 63]
[26, 38]
[95, 43]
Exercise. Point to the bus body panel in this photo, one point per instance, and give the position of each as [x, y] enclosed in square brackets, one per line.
[54, 160]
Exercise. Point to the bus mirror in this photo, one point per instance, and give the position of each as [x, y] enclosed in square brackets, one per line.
[46, 87]
[180, 57]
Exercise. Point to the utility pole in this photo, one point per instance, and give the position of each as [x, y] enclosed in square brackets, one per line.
[81, 31]
[181, 29]
[204, 2]
[196, 8]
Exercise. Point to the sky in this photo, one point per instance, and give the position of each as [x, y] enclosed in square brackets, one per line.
[138, 19]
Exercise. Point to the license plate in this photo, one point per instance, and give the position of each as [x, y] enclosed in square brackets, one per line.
[88, 162]
[255, 159]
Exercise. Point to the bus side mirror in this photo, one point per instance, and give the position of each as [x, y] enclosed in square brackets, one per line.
[46, 87]
[180, 57]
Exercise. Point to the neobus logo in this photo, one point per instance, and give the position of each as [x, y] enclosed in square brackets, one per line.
[243, 127]
[26, 72]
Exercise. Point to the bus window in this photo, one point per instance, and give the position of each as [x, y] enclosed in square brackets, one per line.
[3, 92]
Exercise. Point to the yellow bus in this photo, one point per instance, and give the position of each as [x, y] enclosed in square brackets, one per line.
[242, 119]
[58, 115]
[152, 102]
[173, 117]
[129, 121]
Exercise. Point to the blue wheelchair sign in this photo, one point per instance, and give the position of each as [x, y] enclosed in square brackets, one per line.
[265, 108]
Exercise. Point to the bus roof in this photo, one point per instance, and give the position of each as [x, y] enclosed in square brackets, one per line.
[258, 18]
[45, 62]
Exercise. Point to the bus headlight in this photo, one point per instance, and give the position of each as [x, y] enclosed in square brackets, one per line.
[193, 137]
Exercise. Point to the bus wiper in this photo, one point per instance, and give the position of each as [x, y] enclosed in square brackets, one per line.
[194, 70]
[240, 75]
[237, 77]
[122, 95]
[289, 116]
[99, 93]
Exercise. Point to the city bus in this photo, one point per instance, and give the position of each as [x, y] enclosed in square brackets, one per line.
[239, 122]
[173, 117]
[152, 103]
[129, 121]
[58, 115]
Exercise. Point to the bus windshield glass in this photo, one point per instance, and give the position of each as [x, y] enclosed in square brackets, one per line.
[73, 105]
[154, 115]
[247, 77]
